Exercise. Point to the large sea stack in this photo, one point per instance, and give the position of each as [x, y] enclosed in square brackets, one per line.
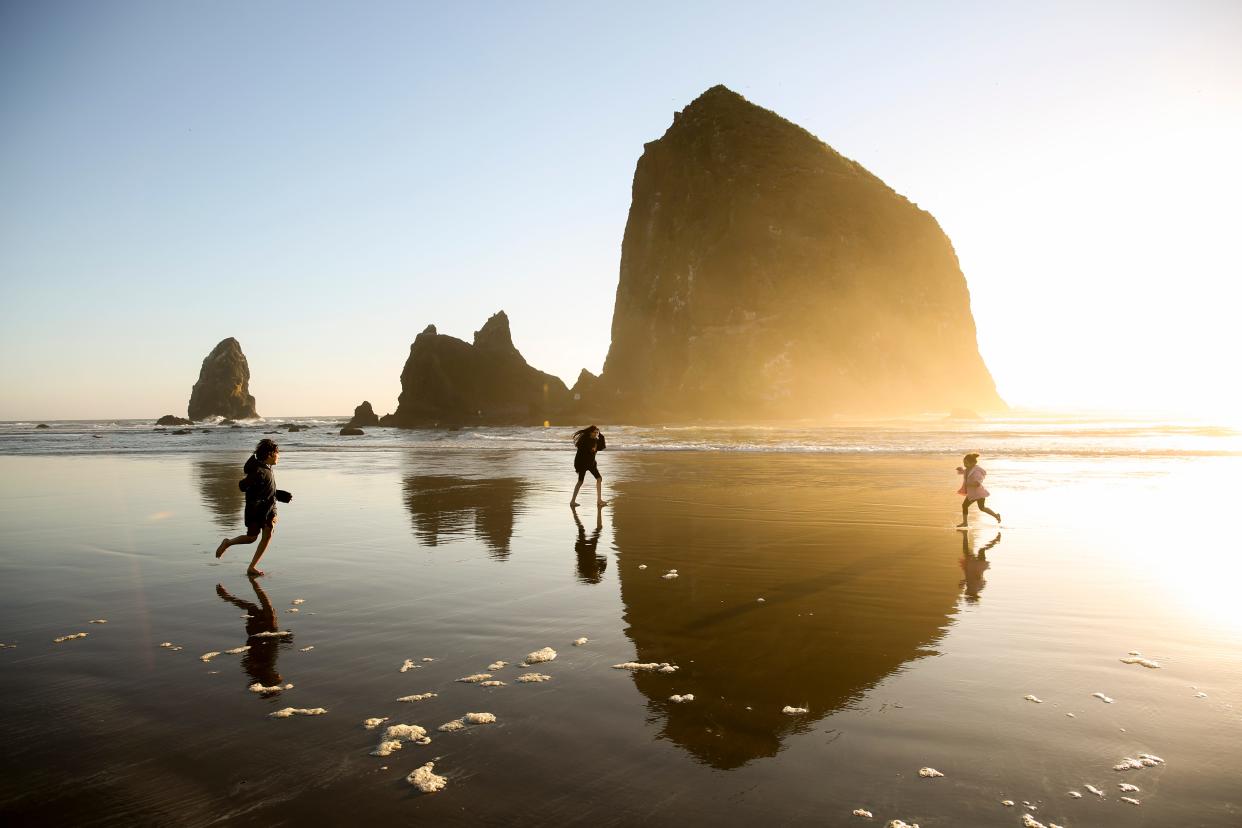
[450, 382]
[223, 387]
[764, 275]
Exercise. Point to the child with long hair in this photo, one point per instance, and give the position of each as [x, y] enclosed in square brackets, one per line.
[259, 484]
[972, 487]
[589, 441]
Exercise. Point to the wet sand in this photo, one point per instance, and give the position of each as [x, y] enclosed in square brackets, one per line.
[834, 584]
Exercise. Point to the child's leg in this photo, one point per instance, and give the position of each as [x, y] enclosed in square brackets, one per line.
[983, 508]
[965, 506]
[258, 553]
[227, 542]
[573, 499]
[599, 489]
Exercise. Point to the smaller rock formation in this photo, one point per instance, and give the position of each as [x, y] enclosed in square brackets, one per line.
[223, 387]
[170, 419]
[450, 382]
[364, 415]
[43, 425]
[351, 431]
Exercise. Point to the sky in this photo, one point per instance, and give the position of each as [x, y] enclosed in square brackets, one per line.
[322, 180]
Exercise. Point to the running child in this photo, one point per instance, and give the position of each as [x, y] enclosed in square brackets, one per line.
[259, 484]
[972, 487]
[589, 440]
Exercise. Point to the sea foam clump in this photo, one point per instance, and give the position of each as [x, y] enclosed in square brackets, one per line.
[789, 710]
[929, 773]
[865, 814]
[1093, 789]
[297, 711]
[273, 634]
[527, 678]
[897, 823]
[578, 642]
[1127, 788]
[168, 645]
[1137, 659]
[407, 666]
[425, 780]
[498, 665]
[1033, 698]
[476, 678]
[469, 718]
[100, 621]
[1131, 800]
[396, 735]
[62, 639]
[257, 687]
[371, 724]
[492, 683]
[297, 601]
[417, 697]
[688, 697]
[237, 650]
[206, 657]
[1103, 698]
[540, 656]
[648, 667]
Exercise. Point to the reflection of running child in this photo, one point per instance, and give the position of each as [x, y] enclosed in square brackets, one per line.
[589, 440]
[972, 487]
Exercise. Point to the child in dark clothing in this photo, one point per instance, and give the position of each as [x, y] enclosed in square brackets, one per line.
[589, 440]
[259, 485]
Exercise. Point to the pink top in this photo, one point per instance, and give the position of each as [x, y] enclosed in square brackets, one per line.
[972, 486]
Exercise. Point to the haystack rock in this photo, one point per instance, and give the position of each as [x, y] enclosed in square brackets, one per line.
[764, 275]
[449, 382]
[364, 415]
[223, 387]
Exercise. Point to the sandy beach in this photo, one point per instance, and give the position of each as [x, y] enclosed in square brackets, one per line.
[833, 583]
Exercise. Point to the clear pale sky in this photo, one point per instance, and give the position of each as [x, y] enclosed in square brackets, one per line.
[323, 180]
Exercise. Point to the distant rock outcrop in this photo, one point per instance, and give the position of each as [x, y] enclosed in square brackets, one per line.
[223, 387]
[171, 419]
[364, 415]
[450, 382]
[763, 275]
[351, 431]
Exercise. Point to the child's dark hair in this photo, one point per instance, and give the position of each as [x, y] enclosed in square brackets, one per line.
[583, 431]
[265, 448]
[970, 457]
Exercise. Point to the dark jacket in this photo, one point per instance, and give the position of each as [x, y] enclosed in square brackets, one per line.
[587, 447]
[260, 487]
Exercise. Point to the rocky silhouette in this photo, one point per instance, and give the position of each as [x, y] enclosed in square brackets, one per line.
[223, 387]
[764, 275]
[171, 419]
[450, 382]
[364, 415]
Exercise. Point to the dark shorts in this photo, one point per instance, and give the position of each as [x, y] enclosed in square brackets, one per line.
[258, 526]
[583, 468]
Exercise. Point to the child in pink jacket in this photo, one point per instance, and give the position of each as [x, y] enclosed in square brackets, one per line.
[972, 487]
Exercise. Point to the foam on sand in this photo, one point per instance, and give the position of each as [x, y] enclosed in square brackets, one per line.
[648, 667]
[1032, 698]
[1144, 760]
[688, 697]
[540, 656]
[793, 711]
[897, 823]
[865, 814]
[407, 666]
[492, 683]
[1200, 695]
[527, 678]
[417, 697]
[428, 659]
[1093, 789]
[425, 780]
[1103, 698]
[578, 642]
[498, 665]
[476, 678]
[206, 657]
[668, 576]
[275, 688]
[297, 601]
[396, 735]
[452, 727]
[307, 649]
[1008, 803]
[100, 621]
[371, 724]
[168, 645]
[293, 609]
[642, 566]
[62, 639]
[468, 719]
[1128, 788]
[1075, 794]
[1131, 800]
[1137, 659]
[297, 711]
[272, 634]
[237, 650]
[929, 773]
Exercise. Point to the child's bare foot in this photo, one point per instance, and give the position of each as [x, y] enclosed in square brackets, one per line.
[224, 544]
[963, 525]
[254, 573]
[602, 503]
[998, 517]
[573, 503]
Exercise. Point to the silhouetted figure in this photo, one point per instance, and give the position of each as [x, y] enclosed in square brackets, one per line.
[259, 661]
[974, 564]
[259, 484]
[589, 441]
[972, 487]
[591, 564]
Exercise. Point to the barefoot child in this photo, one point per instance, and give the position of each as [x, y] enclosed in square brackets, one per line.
[259, 485]
[972, 487]
[589, 440]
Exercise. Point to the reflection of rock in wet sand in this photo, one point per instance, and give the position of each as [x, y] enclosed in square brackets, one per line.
[445, 507]
[217, 485]
[264, 639]
[849, 600]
